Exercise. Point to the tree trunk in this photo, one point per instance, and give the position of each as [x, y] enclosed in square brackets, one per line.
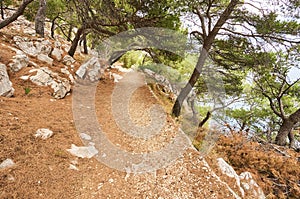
[84, 42]
[208, 40]
[85, 48]
[286, 128]
[192, 81]
[53, 26]
[40, 19]
[15, 16]
[2, 11]
[75, 41]
[208, 114]
[70, 33]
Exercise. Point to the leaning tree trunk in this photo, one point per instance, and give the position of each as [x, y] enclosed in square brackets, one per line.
[40, 19]
[201, 124]
[72, 50]
[286, 128]
[208, 40]
[192, 81]
[15, 16]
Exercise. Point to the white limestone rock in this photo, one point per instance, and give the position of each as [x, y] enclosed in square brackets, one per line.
[83, 152]
[43, 133]
[90, 70]
[28, 48]
[56, 53]
[68, 60]
[6, 89]
[250, 186]
[246, 184]
[19, 61]
[7, 163]
[45, 58]
[43, 47]
[45, 77]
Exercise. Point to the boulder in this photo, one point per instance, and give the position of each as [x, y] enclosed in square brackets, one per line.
[19, 61]
[56, 53]
[250, 186]
[45, 77]
[60, 88]
[6, 89]
[43, 47]
[230, 172]
[45, 58]
[90, 70]
[245, 183]
[68, 60]
[33, 48]
[28, 48]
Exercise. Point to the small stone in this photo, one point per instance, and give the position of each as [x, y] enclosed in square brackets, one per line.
[83, 152]
[100, 185]
[25, 77]
[43, 133]
[73, 167]
[7, 163]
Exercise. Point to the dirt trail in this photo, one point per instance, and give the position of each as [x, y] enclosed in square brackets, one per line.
[42, 166]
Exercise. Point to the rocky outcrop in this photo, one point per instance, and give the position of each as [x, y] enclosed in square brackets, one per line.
[91, 70]
[56, 54]
[45, 77]
[68, 60]
[19, 61]
[40, 48]
[244, 182]
[6, 89]
[45, 58]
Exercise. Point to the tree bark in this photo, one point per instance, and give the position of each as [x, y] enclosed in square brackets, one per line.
[75, 41]
[85, 47]
[53, 26]
[286, 128]
[84, 42]
[203, 55]
[15, 16]
[208, 114]
[2, 11]
[70, 33]
[40, 19]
